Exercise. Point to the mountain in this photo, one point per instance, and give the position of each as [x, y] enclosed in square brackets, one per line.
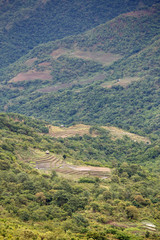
[107, 75]
[67, 201]
[25, 24]
[86, 164]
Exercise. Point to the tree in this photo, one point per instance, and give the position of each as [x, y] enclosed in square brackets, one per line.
[40, 197]
[132, 212]
[107, 195]
[24, 214]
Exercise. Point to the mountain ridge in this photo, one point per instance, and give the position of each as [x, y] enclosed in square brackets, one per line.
[90, 169]
[22, 21]
[70, 68]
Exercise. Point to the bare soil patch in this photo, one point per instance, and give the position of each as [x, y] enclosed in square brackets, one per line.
[32, 75]
[47, 162]
[124, 82]
[57, 53]
[44, 64]
[97, 77]
[99, 56]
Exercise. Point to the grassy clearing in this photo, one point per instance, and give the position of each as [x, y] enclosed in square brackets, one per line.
[63, 132]
[82, 129]
[120, 133]
[124, 82]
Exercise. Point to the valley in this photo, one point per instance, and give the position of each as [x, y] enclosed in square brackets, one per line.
[106, 66]
[79, 120]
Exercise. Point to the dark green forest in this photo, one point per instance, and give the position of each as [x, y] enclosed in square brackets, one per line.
[96, 105]
[34, 22]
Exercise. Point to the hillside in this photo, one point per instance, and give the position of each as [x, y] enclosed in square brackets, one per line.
[66, 81]
[37, 204]
[79, 120]
[81, 129]
[25, 24]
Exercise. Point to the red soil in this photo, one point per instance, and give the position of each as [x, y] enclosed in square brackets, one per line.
[32, 75]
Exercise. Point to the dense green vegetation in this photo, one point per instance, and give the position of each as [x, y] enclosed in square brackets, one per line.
[25, 25]
[108, 75]
[135, 107]
[67, 209]
[97, 105]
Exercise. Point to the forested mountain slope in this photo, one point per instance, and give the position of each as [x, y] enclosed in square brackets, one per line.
[36, 204]
[92, 181]
[93, 67]
[24, 24]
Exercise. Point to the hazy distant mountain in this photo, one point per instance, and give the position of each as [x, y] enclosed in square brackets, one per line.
[24, 24]
[106, 75]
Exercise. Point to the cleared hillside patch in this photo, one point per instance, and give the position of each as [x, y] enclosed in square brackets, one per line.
[124, 82]
[99, 56]
[120, 133]
[32, 75]
[81, 129]
[75, 172]
[46, 161]
[63, 132]
[59, 52]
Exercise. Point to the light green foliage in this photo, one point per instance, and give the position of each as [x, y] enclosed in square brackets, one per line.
[65, 208]
[132, 212]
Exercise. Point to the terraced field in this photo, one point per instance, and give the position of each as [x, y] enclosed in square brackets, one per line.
[49, 162]
[85, 171]
[82, 129]
[63, 132]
